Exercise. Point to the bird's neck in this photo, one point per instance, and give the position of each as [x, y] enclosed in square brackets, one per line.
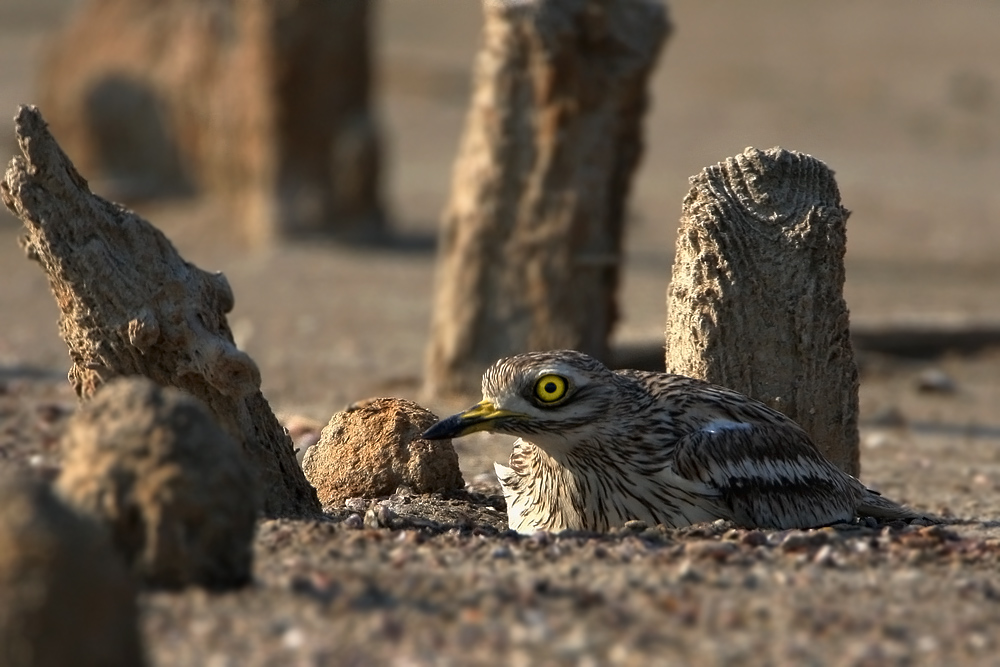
[541, 494]
[555, 448]
[552, 490]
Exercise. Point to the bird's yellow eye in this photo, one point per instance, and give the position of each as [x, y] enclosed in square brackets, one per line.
[550, 388]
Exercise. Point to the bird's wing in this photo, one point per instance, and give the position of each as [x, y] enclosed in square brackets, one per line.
[767, 475]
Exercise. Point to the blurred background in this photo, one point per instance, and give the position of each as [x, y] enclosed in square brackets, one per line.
[901, 98]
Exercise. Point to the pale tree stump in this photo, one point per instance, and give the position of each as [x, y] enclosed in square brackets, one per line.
[130, 305]
[531, 238]
[263, 103]
[756, 302]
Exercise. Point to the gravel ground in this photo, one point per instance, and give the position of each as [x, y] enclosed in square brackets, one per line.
[910, 128]
[419, 580]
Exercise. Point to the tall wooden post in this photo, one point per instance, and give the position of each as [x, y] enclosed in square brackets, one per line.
[756, 302]
[531, 238]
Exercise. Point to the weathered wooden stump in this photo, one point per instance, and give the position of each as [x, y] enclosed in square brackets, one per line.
[756, 302]
[131, 305]
[532, 233]
[265, 103]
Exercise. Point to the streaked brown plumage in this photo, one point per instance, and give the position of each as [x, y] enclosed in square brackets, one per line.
[600, 447]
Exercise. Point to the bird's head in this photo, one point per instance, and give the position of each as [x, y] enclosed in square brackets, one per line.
[546, 397]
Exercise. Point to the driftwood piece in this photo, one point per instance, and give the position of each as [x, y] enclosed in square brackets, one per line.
[532, 233]
[131, 305]
[756, 302]
[265, 103]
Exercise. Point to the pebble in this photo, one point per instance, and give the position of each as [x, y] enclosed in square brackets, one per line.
[980, 479]
[825, 556]
[798, 540]
[937, 532]
[876, 439]
[380, 515]
[403, 494]
[754, 538]
[356, 504]
[502, 552]
[687, 572]
[710, 549]
[293, 638]
[540, 539]
[936, 381]
[860, 546]
[888, 416]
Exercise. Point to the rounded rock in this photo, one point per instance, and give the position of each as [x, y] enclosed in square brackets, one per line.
[172, 486]
[373, 449]
[66, 598]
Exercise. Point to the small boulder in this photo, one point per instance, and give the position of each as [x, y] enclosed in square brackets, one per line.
[173, 487]
[66, 598]
[372, 449]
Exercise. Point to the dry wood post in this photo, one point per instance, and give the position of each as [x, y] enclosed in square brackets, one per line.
[531, 236]
[130, 305]
[264, 103]
[756, 302]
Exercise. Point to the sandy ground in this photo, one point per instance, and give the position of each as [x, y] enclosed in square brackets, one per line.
[901, 98]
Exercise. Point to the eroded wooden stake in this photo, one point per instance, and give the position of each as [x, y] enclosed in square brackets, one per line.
[131, 305]
[756, 302]
[531, 237]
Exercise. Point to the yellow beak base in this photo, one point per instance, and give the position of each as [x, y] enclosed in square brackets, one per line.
[480, 417]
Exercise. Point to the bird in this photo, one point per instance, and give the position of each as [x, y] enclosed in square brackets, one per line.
[598, 448]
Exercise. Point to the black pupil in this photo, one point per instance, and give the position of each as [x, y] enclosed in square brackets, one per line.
[550, 387]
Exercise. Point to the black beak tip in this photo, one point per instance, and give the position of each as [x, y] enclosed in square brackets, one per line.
[444, 429]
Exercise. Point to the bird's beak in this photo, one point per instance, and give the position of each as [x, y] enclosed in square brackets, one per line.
[479, 417]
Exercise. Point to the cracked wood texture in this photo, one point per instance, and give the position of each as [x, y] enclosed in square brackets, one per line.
[131, 305]
[756, 302]
[531, 236]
